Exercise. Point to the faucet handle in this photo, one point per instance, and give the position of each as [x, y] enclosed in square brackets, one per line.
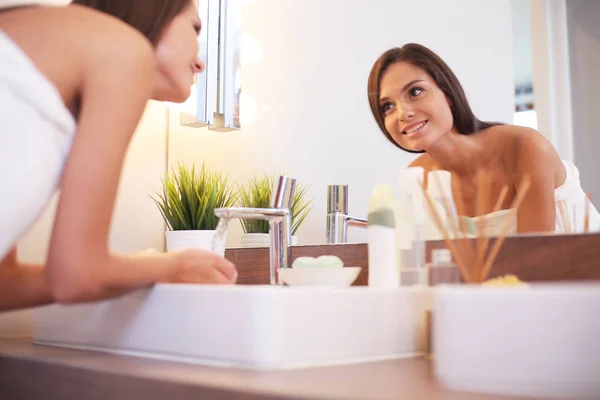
[282, 192]
[337, 198]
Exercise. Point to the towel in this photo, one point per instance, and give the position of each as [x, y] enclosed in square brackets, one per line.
[570, 201]
[36, 132]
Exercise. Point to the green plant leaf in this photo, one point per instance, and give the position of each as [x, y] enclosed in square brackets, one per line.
[189, 198]
[256, 193]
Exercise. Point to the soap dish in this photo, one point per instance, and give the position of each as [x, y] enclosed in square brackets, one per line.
[332, 277]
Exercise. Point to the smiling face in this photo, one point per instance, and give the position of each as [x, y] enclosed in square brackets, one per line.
[177, 57]
[415, 111]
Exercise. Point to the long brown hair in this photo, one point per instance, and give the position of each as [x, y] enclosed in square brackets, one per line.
[150, 17]
[465, 121]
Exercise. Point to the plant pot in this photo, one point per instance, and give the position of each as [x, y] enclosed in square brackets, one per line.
[260, 240]
[179, 240]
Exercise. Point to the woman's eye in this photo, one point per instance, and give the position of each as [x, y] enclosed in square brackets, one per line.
[414, 92]
[386, 107]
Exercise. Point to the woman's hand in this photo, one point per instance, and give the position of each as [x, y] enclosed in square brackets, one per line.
[201, 266]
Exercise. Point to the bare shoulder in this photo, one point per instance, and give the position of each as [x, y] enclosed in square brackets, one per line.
[71, 24]
[517, 136]
[525, 141]
[112, 34]
[112, 48]
[75, 39]
[530, 151]
[512, 142]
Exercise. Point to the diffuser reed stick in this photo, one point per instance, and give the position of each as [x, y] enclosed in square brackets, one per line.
[586, 221]
[440, 225]
[466, 246]
[480, 204]
[521, 192]
[497, 207]
[564, 216]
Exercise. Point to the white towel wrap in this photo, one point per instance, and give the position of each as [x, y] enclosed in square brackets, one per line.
[36, 132]
[569, 196]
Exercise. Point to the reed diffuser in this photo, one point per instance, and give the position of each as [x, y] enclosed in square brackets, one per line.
[473, 259]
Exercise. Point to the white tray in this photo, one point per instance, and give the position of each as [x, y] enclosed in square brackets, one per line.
[262, 327]
[541, 341]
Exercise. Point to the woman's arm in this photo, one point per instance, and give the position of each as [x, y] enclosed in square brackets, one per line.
[117, 80]
[536, 158]
[25, 285]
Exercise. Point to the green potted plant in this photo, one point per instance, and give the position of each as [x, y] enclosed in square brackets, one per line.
[256, 193]
[187, 204]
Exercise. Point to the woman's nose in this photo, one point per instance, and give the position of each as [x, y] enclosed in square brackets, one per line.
[199, 66]
[405, 113]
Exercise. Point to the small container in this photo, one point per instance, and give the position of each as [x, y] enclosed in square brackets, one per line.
[411, 218]
[411, 228]
[414, 276]
[381, 233]
[442, 269]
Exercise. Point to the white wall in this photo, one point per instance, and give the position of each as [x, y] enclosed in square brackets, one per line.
[314, 121]
[137, 224]
[584, 55]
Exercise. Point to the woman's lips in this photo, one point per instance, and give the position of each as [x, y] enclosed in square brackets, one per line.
[415, 128]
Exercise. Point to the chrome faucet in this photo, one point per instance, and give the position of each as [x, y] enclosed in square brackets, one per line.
[338, 219]
[280, 223]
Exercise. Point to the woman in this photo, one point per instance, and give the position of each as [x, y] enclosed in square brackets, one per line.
[74, 82]
[421, 107]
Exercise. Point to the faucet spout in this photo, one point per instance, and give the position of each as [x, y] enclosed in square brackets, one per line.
[356, 222]
[280, 223]
[251, 213]
[338, 219]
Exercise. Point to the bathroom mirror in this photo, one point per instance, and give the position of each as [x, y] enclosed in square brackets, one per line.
[297, 82]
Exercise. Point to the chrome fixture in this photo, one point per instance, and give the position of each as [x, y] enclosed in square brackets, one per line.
[338, 219]
[280, 223]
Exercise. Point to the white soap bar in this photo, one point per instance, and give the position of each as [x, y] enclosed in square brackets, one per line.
[330, 262]
[320, 262]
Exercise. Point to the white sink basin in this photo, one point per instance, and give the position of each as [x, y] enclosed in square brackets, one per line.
[540, 341]
[263, 327]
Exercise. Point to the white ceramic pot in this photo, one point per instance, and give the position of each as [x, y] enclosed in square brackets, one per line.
[178, 240]
[260, 240]
[539, 341]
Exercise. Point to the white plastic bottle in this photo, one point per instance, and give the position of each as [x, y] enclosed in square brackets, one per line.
[381, 232]
[410, 226]
[439, 188]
